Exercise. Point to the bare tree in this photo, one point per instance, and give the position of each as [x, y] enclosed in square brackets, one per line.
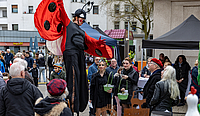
[142, 10]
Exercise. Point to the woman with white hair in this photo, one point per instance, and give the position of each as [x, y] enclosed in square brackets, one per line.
[41, 63]
[166, 91]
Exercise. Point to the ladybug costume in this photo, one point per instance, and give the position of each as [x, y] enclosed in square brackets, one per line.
[67, 38]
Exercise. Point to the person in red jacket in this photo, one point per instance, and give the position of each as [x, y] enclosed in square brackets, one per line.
[54, 25]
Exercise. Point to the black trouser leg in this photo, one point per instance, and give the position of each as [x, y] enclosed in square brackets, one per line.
[182, 95]
[36, 81]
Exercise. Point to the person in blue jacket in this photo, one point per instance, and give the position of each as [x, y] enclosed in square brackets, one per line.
[93, 68]
[194, 74]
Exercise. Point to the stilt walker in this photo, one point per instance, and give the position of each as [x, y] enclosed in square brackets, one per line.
[65, 37]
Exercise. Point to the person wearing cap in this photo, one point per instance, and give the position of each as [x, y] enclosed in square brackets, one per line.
[155, 68]
[57, 72]
[54, 104]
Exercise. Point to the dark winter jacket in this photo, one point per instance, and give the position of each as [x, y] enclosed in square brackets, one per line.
[34, 72]
[2, 82]
[50, 61]
[8, 57]
[182, 72]
[97, 93]
[41, 62]
[194, 81]
[59, 75]
[150, 86]
[132, 79]
[18, 98]
[111, 69]
[144, 71]
[51, 107]
[116, 81]
[161, 100]
[30, 61]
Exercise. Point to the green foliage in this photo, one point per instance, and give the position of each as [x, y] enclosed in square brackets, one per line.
[131, 54]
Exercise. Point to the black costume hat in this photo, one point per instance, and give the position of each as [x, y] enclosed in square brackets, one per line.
[80, 13]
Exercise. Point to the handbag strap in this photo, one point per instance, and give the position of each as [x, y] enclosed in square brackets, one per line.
[110, 77]
[120, 84]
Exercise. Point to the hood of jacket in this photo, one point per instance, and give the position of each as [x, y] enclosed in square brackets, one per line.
[17, 86]
[49, 106]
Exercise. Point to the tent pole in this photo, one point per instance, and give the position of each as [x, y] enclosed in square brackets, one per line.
[141, 58]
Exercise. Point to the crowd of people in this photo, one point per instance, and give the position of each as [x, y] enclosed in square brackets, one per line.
[166, 82]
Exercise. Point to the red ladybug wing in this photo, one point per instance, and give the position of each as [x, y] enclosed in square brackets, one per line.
[97, 50]
[50, 18]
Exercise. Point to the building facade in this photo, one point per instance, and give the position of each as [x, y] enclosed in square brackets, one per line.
[120, 8]
[167, 15]
[18, 15]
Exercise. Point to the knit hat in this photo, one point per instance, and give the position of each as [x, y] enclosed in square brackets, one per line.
[56, 87]
[158, 62]
[58, 65]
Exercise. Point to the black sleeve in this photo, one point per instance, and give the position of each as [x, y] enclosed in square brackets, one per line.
[134, 78]
[156, 95]
[92, 87]
[143, 72]
[78, 41]
[37, 93]
[2, 104]
[151, 90]
[116, 85]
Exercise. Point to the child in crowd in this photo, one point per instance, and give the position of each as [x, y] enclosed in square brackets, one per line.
[34, 71]
[57, 72]
[54, 104]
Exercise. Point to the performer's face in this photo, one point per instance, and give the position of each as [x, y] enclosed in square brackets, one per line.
[126, 64]
[81, 21]
[102, 66]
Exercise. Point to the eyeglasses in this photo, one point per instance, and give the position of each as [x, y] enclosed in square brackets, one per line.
[97, 59]
[152, 63]
[101, 64]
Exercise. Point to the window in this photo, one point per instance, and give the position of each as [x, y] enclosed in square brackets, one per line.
[88, 23]
[127, 8]
[95, 9]
[126, 25]
[4, 28]
[133, 9]
[4, 13]
[116, 8]
[30, 8]
[14, 9]
[74, 0]
[143, 27]
[15, 27]
[95, 26]
[116, 24]
[134, 25]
